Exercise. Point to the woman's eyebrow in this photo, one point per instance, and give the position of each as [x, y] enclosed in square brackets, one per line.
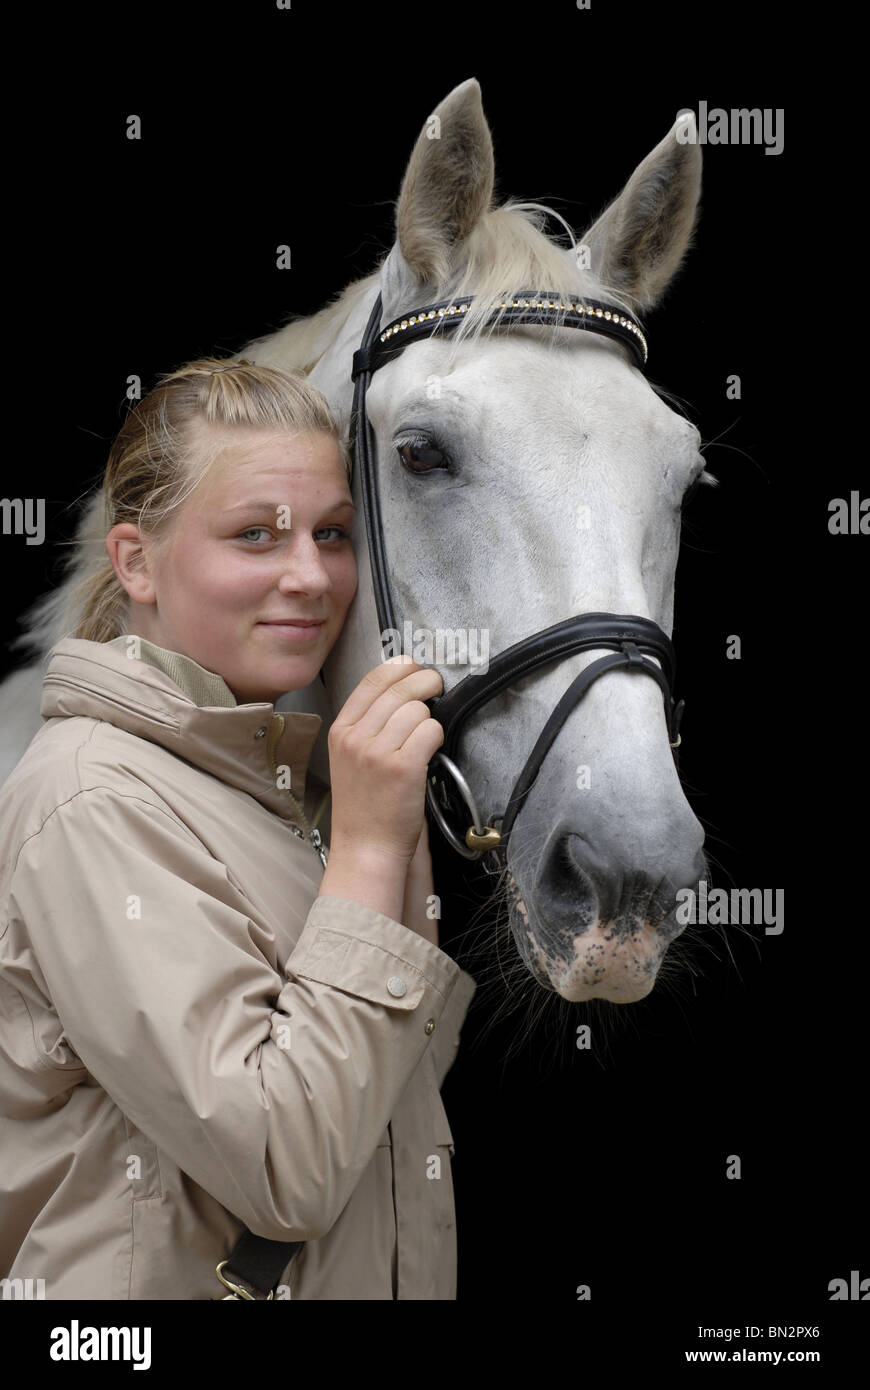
[335, 505]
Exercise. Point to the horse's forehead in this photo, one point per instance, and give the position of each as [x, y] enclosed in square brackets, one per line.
[578, 375]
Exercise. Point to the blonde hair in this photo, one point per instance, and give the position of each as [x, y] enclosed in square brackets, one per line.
[159, 458]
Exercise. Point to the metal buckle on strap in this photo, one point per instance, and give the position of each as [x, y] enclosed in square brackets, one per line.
[479, 837]
[239, 1291]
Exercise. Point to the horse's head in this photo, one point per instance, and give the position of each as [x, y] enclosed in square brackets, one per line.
[527, 476]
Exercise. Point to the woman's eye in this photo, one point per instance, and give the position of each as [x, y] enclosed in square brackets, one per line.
[422, 455]
[340, 532]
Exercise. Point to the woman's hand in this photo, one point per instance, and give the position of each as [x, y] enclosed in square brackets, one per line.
[419, 890]
[380, 747]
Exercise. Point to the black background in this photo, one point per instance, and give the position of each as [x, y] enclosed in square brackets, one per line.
[264, 127]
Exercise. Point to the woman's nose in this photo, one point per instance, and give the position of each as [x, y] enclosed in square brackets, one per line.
[304, 568]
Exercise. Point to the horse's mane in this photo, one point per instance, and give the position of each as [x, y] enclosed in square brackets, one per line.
[507, 250]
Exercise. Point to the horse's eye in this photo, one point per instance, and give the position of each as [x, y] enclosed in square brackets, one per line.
[422, 455]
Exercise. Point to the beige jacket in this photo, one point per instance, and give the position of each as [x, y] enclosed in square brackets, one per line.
[191, 1041]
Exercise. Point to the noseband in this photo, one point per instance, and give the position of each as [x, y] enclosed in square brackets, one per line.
[628, 638]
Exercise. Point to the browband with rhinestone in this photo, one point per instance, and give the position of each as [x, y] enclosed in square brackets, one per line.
[530, 306]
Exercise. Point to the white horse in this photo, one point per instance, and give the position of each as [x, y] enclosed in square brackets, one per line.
[536, 427]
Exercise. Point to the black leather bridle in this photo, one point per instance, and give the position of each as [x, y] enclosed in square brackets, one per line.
[627, 637]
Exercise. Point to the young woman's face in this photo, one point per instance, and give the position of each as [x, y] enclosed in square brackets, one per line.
[262, 544]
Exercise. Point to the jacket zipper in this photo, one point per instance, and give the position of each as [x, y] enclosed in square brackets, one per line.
[275, 731]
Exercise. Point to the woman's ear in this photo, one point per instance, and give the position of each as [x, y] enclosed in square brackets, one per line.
[125, 550]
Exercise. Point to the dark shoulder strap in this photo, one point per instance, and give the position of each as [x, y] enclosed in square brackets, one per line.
[255, 1266]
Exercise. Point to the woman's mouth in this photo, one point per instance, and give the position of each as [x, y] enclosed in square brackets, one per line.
[303, 630]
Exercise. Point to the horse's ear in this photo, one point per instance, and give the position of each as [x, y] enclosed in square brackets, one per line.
[447, 188]
[638, 244]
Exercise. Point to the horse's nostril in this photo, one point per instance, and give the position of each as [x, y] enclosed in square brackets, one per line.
[580, 882]
[566, 886]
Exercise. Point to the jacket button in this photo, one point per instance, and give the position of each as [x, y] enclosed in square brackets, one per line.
[430, 1025]
[261, 733]
[397, 986]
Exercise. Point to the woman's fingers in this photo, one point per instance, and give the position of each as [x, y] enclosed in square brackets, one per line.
[380, 747]
[400, 725]
[384, 691]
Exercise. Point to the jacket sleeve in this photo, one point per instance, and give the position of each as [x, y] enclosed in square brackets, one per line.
[270, 1089]
[445, 1039]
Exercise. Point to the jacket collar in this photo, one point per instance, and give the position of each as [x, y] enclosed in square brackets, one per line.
[170, 699]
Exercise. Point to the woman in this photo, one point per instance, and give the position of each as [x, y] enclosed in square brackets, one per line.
[203, 1030]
